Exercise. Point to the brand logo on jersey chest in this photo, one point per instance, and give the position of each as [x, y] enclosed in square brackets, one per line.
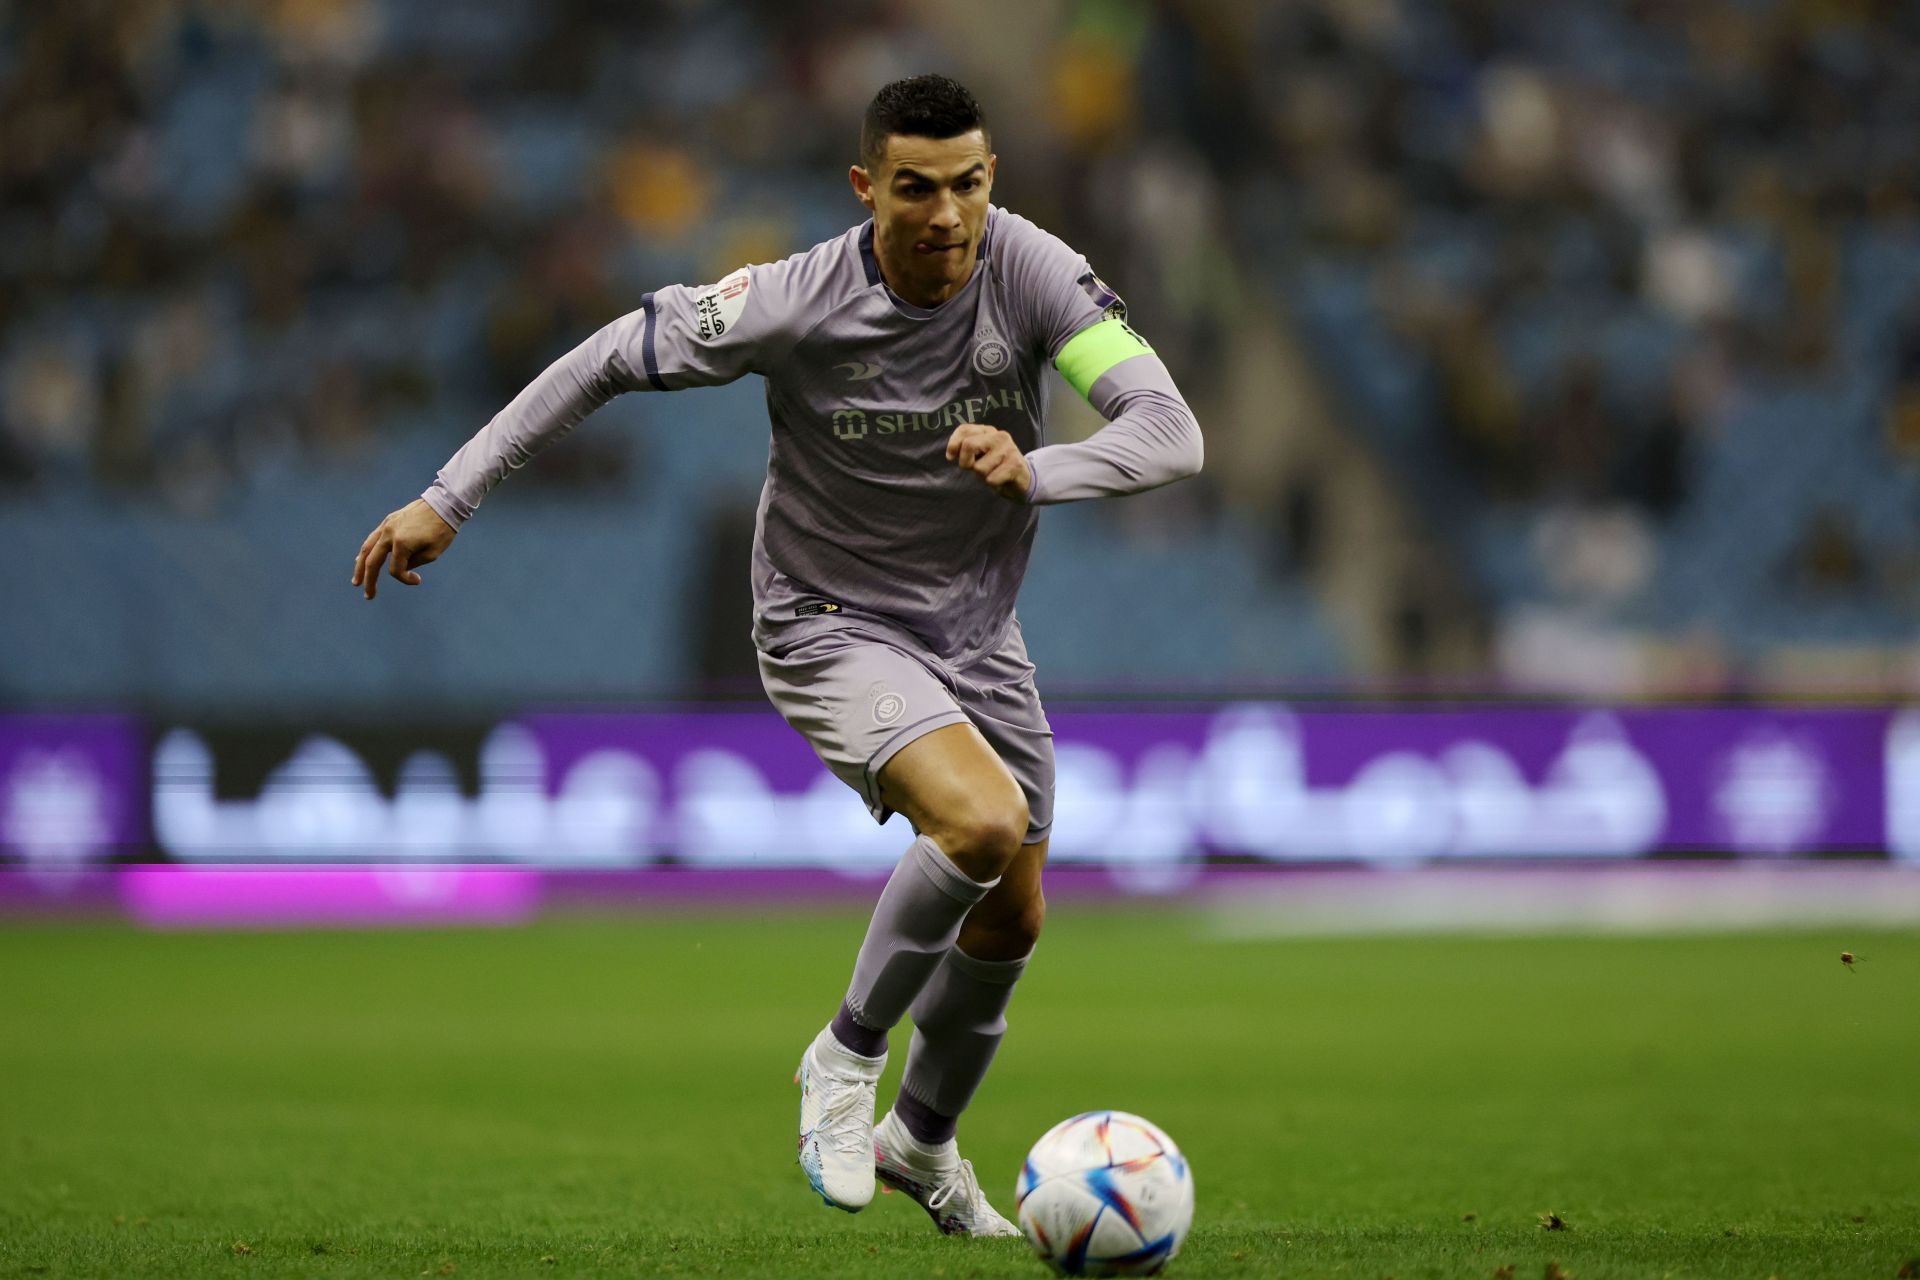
[858, 424]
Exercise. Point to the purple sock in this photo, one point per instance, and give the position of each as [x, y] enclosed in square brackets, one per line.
[922, 1121]
[855, 1037]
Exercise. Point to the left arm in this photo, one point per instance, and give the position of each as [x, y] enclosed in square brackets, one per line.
[1077, 320]
[1151, 437]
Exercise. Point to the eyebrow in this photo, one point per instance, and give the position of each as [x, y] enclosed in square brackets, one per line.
[912, 174]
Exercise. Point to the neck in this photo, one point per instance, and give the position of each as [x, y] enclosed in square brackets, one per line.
[917, 293]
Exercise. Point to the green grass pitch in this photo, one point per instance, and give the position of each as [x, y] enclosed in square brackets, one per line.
[612, 1097]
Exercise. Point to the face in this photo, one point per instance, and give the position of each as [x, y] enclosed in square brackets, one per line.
[929, 203]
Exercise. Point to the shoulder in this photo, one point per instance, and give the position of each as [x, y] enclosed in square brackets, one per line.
[1040, 269]
[768, 300]
[1048, 282]
[1021, 246]
[807, 284]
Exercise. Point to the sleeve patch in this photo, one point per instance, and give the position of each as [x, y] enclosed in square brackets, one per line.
[1103, 296]
[717, 307]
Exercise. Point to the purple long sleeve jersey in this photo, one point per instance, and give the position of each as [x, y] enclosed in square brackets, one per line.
[861, 511]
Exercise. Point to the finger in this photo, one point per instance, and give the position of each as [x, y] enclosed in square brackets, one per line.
[376, 557]
[993, 456]
[978, 446]
[967, 442]
[360, 557]
[402, 566]
[363, 566]
[1003, 474]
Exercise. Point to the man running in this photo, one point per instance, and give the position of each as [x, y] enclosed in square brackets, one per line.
[903, 364]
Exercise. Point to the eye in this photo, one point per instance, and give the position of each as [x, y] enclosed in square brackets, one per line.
[969, 184]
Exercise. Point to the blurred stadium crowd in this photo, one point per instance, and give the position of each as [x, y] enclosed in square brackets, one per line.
[1628, 292]
[246, 231]
[1623, 298]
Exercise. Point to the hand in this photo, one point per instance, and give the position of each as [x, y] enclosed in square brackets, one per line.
[991, 454]
[414, 535]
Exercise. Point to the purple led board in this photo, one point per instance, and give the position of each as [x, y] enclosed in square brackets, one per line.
[73, 790]
[1146, 792]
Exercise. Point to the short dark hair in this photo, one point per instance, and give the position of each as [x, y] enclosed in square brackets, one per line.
[921, 107]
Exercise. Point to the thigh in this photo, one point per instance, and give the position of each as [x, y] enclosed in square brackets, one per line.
[858, 701]
[999, 696]
[952, 786]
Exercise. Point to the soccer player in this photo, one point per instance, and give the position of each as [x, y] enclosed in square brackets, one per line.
[903, 364]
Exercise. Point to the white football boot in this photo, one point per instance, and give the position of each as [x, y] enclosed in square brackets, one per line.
[938, 1179]
[836, 1121]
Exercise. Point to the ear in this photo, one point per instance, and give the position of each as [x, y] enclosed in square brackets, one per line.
[993, 163]
[862, 186]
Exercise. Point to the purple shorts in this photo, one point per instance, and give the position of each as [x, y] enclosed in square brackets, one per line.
[858, 690]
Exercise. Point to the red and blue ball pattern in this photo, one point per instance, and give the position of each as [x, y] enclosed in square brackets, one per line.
[1105, 1193]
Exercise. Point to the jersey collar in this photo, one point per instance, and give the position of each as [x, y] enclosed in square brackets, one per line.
[871, 265]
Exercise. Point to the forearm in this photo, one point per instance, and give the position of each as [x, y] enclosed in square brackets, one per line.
[1151, 439]
[553, 404]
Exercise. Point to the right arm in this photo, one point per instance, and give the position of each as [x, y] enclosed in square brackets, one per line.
[549, 407]
[680, 337]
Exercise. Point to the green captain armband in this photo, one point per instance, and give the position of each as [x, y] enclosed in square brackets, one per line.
[1096, 349]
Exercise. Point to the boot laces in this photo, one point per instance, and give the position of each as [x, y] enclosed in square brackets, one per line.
[961, 1182]
[840, 1118]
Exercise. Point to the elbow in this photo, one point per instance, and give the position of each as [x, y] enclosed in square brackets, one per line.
[1185, 452]
[1194, 455]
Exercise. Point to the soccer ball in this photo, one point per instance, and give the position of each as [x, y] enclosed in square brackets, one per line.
[1105, 1194]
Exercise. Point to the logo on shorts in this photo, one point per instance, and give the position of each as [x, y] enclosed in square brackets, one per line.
[815, 609]
[888, 707]
[989, 353]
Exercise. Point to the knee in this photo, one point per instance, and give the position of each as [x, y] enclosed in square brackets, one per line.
[982, 841]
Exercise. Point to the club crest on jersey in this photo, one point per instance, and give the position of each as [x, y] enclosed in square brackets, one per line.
[849, 424]
[990, 355]
[717, 307]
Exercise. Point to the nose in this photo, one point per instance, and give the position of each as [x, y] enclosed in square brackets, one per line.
[946, 213]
